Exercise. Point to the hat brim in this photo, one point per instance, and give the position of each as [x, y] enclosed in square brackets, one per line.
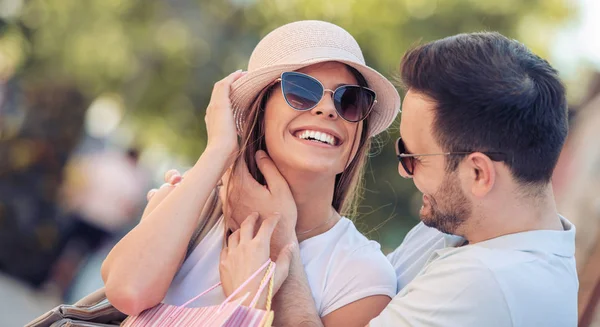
[245, 89]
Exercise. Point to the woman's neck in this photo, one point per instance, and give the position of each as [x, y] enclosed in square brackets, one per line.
[313, 197]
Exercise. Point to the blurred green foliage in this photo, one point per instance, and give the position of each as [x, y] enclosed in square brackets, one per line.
[163, 56]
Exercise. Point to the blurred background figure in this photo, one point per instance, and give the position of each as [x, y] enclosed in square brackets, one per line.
[32, 158]
[103, 195]
[577, 184]
[99, 98]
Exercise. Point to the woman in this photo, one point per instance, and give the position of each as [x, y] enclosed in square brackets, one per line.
[310, 102]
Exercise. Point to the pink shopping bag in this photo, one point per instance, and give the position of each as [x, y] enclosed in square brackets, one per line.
[228, 314]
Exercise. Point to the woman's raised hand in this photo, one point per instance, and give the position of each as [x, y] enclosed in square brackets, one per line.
[220, 124]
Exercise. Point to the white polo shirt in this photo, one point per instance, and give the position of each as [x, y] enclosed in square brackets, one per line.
[523, 279]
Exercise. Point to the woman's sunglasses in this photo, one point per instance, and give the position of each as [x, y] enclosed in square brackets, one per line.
[303, 92]
[408, 160]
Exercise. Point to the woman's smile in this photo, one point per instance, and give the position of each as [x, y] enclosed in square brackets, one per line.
[317, 136]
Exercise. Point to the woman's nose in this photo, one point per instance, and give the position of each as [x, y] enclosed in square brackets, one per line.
[326, 106]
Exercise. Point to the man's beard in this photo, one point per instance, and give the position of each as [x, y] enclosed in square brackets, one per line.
[448, 209]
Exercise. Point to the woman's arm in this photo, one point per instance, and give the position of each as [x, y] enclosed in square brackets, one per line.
[139, 269]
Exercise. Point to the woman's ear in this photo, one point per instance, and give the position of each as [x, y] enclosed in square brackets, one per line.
[482, 173]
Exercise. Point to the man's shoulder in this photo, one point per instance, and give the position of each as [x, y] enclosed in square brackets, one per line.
[467, 264]
[474, 261]
[518, 286]
[502, 261]
[488, 285]
[456, 288]
[416, 249]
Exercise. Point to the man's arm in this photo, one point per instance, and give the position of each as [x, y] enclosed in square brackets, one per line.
[293, 304]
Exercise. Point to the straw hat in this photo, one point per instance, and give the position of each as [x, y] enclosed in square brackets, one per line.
[304, 43]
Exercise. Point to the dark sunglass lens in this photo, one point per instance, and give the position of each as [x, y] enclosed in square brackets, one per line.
[353, 102]
[300, 91]
[400, 146]
[408, 163]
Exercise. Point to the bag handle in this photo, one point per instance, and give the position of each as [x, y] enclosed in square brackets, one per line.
[269, 276]
[239, 289]
[234, 292]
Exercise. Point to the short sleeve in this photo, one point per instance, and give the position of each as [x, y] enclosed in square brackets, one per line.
[454, 293]
[365, 272]
[416, 249]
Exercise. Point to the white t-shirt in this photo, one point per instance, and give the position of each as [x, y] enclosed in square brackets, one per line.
[517, 280]
[342, 266]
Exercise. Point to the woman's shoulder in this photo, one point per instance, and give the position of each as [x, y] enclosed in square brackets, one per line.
[357, 269]
[343, 239]
[356, 241]
[353, 250]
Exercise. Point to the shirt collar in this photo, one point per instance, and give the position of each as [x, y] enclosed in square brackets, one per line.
[452, 240]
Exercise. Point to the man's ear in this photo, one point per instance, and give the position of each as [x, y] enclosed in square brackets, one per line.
[482, 173]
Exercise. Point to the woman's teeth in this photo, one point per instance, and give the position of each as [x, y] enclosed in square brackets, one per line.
[317, 136]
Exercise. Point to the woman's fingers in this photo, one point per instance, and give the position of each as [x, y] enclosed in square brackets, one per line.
[169, 174]
[172, 176]
[267, 227]
[222, 88]
[150, 194]
[155, 197]
[247, 227]
[234, 240]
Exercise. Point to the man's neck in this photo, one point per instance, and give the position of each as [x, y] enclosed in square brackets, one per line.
[513, 215]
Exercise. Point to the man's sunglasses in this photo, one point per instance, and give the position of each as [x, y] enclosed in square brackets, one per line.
[408, 160]
[303, 92]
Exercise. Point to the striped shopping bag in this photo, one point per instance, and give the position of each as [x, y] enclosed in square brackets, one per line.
[228, 314]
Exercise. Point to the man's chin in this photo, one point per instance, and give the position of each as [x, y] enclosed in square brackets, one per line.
[428, 221]
[426, 216]
[437, 223]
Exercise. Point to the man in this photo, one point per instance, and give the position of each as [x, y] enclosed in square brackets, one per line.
[483, 123]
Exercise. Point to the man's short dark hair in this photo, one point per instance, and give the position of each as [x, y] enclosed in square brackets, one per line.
[492, 94]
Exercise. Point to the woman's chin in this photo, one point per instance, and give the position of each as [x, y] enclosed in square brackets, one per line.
[303, 165]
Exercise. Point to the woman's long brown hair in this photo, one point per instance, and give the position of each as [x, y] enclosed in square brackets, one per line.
[348, 184]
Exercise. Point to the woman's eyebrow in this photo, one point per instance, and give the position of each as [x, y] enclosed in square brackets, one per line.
[342, 84]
